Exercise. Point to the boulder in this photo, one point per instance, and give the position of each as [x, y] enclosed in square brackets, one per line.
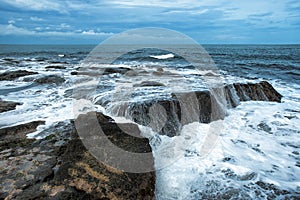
[9, 76]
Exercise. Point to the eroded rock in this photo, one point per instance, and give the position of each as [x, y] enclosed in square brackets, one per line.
[60, 167]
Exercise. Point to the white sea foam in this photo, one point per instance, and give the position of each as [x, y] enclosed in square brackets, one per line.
[166, 56]
[255, 144]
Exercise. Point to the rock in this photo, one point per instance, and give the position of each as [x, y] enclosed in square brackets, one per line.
[114, 70]
[9, 76]
[167, 116]
[55, 67]
[74, 73]
[262, 91]
[149, 84]
[50, 79]
[50, 169]
[8, 105]
[9, 134]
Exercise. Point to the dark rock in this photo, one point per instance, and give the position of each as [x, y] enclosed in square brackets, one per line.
[51, 169]
[262, 91]
[9, 134]
[8, 105]
[74, 73]
[119, 70]
[55, 67]
[50, 79]
[8, 76]
[149, 84]
[263, 126]
[167, 116]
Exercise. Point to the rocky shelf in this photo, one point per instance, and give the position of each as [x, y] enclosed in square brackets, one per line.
[60, 167]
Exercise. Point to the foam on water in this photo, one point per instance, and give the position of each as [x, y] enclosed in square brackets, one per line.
[166, 56]
[258, 142]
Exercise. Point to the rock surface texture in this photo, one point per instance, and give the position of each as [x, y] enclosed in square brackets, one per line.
[60, 167]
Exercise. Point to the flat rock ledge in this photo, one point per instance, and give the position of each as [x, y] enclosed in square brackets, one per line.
[60, 167]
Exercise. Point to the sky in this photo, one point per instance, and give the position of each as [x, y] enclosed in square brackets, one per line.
[206, 21]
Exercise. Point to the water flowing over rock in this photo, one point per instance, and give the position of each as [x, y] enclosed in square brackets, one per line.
[167, 116]
[262, 91]
[60, 167]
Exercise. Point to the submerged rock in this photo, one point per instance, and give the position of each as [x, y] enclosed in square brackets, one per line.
[60, 167]
[50, 79]
[8, 105]
[9, 76]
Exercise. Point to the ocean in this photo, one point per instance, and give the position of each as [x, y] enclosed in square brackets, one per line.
[256, 152]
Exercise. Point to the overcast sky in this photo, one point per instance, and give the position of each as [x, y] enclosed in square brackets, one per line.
[206, 21]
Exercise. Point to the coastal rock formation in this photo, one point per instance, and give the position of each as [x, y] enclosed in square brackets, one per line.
[8, 105]
[50, 79]
[262, 91]
[167, 116]
[60, 167]
[9, 76]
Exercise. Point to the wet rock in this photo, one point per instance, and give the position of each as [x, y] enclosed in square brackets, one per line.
[119, 70]
[50, 79]
[149, 84]
[50, 169]
[74, 73]
[167, 116]
[262, 91]
[9, 76]
[263, 126]
[8, 105]
[55, 67]
[9, 135]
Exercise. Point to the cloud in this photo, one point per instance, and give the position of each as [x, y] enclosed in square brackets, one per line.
[36, 19]
[11, 21]
[92, 32]
[41, 5]
[10, 29]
